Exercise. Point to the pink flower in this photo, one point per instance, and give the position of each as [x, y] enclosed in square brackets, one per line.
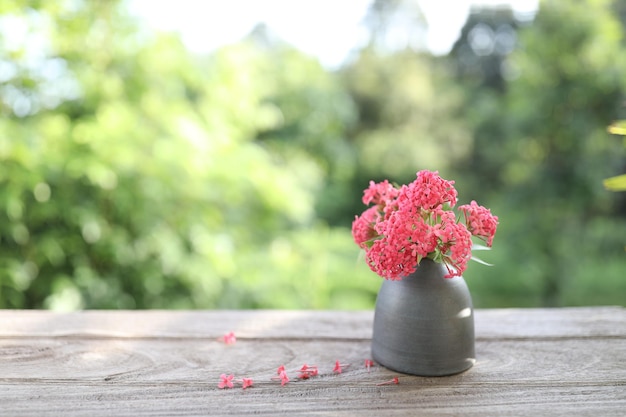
[480, 221]
[282, 375]
[454, 243]
[226, 381]
[394, 381]
[283, 378]
[363, 226]
[339, 367]
[428, 191]
[308, 371]
[246, 382]
[229, 338]
[384, 259]
[381, 193]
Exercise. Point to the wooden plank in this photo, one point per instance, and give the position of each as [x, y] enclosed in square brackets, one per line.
[179, 377]
[555, 322]
[172, 361]
[490, 324]
[417, 399]
[188, 324]
[529, 362]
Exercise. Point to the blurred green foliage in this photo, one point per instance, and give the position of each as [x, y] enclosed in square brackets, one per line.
[136, 175]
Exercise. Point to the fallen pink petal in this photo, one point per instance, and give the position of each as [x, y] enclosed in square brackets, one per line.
[339, 367]
[246, 382]
[226, 381]
[393, 381]
[229, 338]
[282, 376]
[308, 371]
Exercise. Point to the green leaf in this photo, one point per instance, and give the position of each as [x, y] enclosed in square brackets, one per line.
[480, 261]
[618, 128]
[617, 183]
[478, 246]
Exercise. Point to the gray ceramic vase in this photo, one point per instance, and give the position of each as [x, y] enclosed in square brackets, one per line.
[424, 323]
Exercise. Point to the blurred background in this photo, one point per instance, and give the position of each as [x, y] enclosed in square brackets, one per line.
[200, 155]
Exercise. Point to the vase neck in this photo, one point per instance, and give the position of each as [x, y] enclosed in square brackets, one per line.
[429, 269]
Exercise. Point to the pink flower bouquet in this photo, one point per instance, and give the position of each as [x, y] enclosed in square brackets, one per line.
[416, 221]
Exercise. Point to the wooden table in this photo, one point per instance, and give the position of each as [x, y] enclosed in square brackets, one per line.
[535, 362]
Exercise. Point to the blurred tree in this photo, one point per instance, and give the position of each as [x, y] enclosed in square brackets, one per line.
[311, 112]
[540, 144]
[396, 25]
[130, 175]
[481, 67]
[405, 114]
[133, 174]
[487, 38]
[408, 112]
[572, 87]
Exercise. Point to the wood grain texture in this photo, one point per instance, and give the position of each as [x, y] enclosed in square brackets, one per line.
[529, 362]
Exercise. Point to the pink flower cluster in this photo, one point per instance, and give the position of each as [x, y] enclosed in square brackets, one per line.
[416, 221]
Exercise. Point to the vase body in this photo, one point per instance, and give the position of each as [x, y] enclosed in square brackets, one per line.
[424, 323]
